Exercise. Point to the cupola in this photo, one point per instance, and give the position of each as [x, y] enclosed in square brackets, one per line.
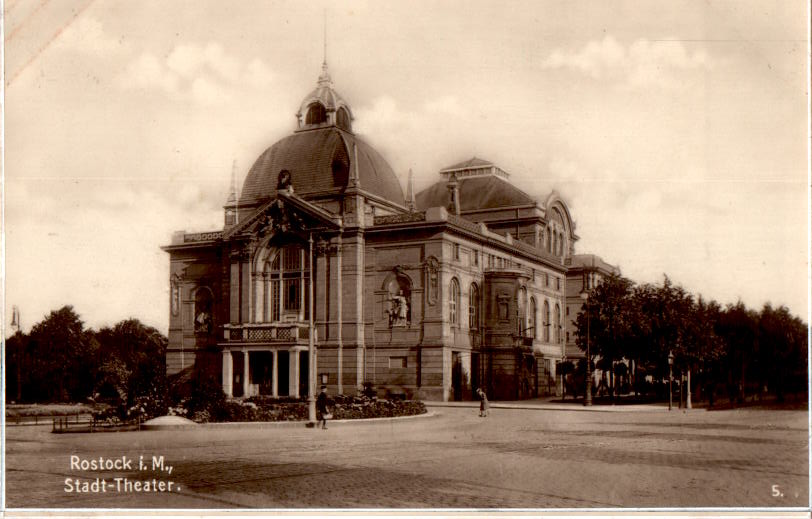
[323, 106]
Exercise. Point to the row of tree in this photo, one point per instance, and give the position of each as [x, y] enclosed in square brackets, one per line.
[733, 349]
[61, 361]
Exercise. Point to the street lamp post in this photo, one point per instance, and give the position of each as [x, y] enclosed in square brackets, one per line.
[588, 395]
[311, 396]
[670, 376]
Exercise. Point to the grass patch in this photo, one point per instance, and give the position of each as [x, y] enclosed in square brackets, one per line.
[21, 410]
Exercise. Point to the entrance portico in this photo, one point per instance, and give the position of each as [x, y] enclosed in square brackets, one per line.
[258, 370]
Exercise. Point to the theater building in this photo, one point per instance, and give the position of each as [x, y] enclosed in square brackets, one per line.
[430, 295]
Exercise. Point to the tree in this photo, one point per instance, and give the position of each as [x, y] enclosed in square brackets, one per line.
[133, 362]
[781, 355]
[16, 365]
[610, 313]
[738, 328]
[63, 358]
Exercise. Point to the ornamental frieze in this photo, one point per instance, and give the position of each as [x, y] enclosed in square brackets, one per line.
[399, 218]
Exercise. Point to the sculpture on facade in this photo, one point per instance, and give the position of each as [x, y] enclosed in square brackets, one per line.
[399, 312]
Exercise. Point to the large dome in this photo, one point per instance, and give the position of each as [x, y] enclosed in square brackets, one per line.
[320, 161]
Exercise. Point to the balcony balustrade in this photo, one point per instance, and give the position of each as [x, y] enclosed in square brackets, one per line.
[267, 332]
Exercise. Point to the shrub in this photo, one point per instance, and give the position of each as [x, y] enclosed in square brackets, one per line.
[266, 409]
[206, 400]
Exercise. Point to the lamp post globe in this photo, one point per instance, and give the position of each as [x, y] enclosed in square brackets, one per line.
[588, 393]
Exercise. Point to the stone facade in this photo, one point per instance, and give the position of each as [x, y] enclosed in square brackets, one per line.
[433, 295]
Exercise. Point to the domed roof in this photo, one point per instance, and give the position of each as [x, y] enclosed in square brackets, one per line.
[482, 185]
[319, 161]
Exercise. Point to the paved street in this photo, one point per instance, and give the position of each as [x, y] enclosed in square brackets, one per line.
[515, 458]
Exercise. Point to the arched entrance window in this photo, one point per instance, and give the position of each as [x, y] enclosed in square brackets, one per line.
[287, 279]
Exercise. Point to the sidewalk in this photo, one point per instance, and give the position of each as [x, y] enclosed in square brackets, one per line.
[552, 404]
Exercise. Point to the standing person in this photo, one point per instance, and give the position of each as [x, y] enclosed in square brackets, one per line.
[483, 403]
[321, 407]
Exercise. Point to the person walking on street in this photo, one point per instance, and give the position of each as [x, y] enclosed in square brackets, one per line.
[484, 406]
[321, 407]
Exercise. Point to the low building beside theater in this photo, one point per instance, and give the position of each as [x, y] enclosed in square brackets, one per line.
[432, 294]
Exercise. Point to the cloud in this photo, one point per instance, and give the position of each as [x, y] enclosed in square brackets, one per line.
[642, 63]
[448, 105]
[148, 72]
[206, 74]
[49, 256]
[86, 35]
[257, 74]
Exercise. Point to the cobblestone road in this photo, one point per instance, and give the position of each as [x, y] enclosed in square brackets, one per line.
[513, 459]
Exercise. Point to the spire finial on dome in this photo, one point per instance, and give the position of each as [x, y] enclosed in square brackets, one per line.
[324, 78]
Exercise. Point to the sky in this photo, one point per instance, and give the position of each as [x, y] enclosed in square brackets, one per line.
[675, 131]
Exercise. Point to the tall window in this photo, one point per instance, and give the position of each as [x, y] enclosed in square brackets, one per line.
[557, 323]
[287, 278]
[546, 317]
[473, 307]
[549, 245]
[533, 317]
[521, 309]
[453, 302]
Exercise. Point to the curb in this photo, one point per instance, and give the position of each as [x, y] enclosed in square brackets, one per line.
[284, 424]
[588, 409]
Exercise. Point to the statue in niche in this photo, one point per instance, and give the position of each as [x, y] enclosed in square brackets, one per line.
[203, 311]
[399, 310]
[203, 323]
[399, 313]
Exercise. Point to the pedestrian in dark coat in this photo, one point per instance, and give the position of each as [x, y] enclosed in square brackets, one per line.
[321, 407]
[484, 406]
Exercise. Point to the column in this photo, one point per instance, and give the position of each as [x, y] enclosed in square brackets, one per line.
[245, 374]
[294, 373]
[275, 381]
[228, 373]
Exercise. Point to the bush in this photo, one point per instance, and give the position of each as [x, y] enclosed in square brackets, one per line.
[206, 401]
[266, 409]
[362, 407]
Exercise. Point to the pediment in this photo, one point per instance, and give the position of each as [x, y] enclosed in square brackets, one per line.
[286, 214]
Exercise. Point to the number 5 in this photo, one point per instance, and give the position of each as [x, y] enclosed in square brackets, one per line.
[776, 492]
